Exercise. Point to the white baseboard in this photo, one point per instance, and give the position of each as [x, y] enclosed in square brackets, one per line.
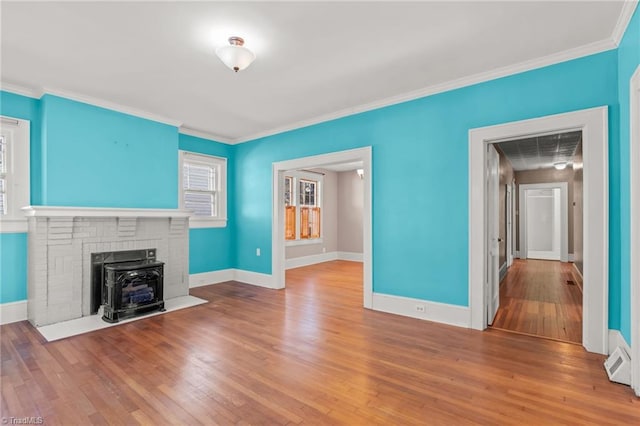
[224, 275]
[350, 256]
[13, 312]
[297, 262]
[253, 278]
[572, 257]
[503, 271]
[577, 270]
[433, 311]
[517, 255]
[212, 277]
[617, 339]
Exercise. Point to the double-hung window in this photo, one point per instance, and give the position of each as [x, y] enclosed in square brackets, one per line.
[203, 189]
[14, 174]
[302, 199]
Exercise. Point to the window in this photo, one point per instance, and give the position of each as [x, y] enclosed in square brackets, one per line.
[14, 173]
[302, 196]
[203, 181]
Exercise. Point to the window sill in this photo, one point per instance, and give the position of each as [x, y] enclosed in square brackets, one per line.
[13, 226]
[302, 242]
[206, 222]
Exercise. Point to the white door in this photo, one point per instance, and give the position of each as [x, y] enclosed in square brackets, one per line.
[509, 217]
[493, 249]
[543, 223]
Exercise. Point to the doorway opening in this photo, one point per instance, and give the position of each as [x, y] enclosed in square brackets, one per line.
[323, 210]
[485, 242]
[298, 222]
[541, 295]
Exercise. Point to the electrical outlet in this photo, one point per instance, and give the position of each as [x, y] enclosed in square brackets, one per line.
[257, 252]
[420, 308]
[324, 249]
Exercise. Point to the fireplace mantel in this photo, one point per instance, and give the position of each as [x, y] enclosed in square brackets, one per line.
[61, 241]
[61, 211]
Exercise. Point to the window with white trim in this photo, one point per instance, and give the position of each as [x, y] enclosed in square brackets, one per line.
[302, 204]
[203, 189]
[14, 173]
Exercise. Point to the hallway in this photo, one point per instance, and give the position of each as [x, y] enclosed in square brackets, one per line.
[541, 298]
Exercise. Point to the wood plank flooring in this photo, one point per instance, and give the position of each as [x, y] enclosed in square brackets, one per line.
[309, 354]
[536, 299]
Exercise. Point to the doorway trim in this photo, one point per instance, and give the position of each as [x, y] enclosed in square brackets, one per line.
[277, 222]
[594, 126]
[634, 252]
[564, 217]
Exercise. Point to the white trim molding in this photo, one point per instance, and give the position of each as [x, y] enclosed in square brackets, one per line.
[14, 226]
[422, 309]
[102, 103]
[13, 312]
[298, 262]
[564, 219]
[211, 277]
[594, 126]
[56, 211]
[616, 339]
[351, 257]
[254, 278]
[203, 135]
[634, 253]
[19, 90]
[277, 223]
[628, 7]
[554, 58]
[17, 135]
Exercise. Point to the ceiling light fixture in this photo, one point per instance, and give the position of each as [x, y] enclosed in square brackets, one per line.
[561, 165]
[235, 56]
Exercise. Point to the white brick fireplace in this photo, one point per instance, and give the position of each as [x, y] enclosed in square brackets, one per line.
[62, 239]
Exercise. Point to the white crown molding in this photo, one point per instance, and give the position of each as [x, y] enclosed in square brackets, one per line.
[586, 50]
[20, 90]
[204, 135]
[57, 211]
[111, 105]
[628, 7]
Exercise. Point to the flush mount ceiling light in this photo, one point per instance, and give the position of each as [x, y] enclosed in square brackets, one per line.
[560, 165]
[235, 56]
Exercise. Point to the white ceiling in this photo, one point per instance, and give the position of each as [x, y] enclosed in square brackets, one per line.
[314, 60]
[541, 152]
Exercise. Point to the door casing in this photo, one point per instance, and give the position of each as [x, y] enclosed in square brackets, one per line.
[593, 123]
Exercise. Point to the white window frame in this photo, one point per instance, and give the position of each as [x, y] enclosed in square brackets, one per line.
[295, 201]
[17, 133]
[220, 163]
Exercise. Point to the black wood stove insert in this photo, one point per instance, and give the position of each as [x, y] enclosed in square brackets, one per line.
[128, 283]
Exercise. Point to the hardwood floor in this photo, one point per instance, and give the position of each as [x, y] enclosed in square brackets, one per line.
[536, 299]
[309, 354]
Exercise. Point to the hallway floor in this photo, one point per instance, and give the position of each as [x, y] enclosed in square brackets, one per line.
[541, 298]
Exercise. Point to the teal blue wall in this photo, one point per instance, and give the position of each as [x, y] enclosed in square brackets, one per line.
[212, 249]
[94, 157]
[13, 267]
[13, 246]
[420, 171]
[628, 61]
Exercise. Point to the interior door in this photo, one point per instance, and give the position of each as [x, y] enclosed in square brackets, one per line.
[493, 250]
[543, 223]
[509, 216]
